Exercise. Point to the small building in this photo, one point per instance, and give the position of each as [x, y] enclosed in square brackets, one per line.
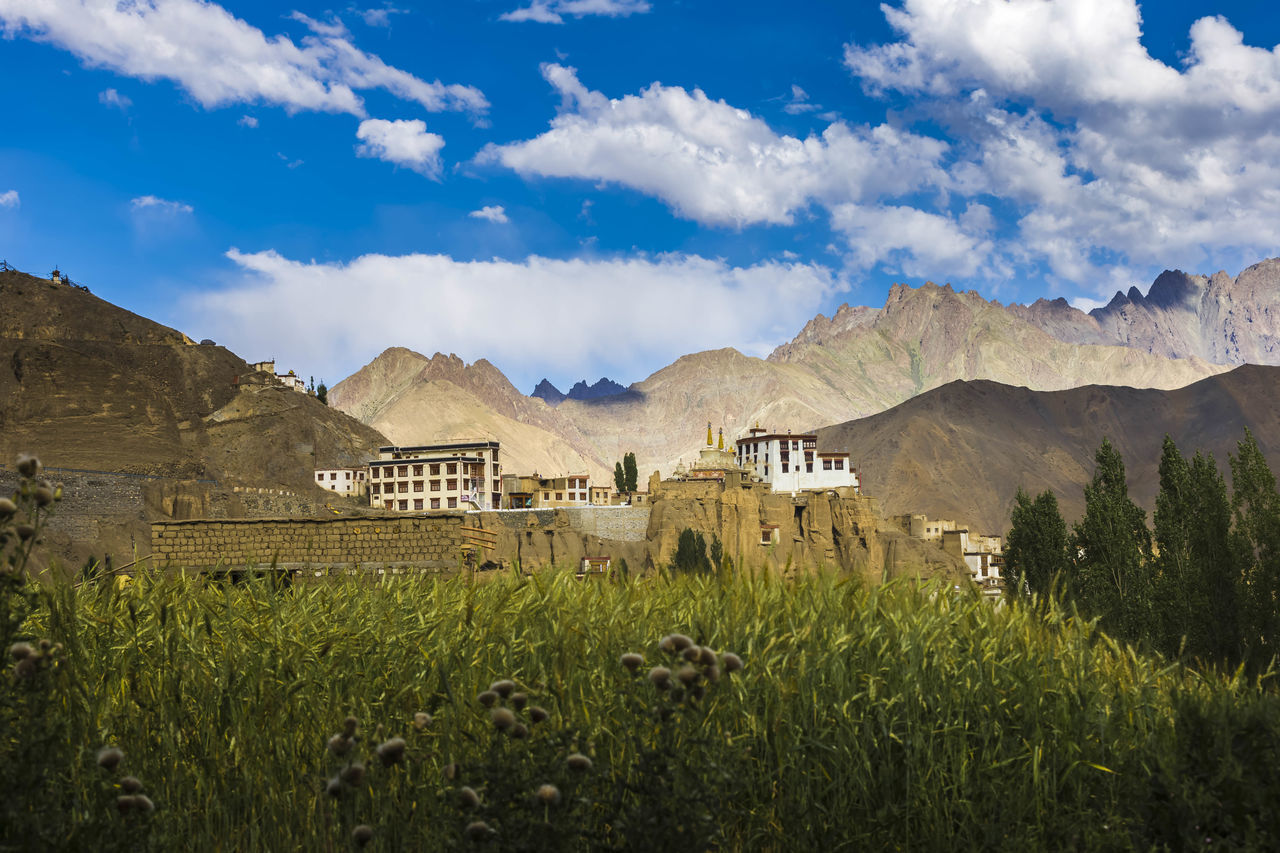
[535, 492]
[264, 367]
[920, 526]
[982, 554]
[792, 462]
[594, 567]
[291, 382]
[455, 475]
[349, 482]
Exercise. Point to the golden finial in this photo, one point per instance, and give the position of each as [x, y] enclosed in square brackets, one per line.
[708, 433]
[721, 446]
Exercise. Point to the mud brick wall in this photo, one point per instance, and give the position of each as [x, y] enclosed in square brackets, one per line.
[432, 543]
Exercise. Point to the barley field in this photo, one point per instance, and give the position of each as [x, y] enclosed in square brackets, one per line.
[421, 714]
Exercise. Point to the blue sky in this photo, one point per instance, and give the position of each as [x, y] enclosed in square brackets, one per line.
[576, 188]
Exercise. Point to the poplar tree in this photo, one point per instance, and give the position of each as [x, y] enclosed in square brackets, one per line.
[1110, 552]
[1255, 542]
[619, 478]
[1035, 551]
[630, 475]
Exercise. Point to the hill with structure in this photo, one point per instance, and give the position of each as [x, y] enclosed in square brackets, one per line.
[104, 394]
[961, 451]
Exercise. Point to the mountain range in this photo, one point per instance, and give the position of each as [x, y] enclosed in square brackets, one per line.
[603, 387]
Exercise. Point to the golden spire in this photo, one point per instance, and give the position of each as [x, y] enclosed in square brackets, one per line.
[708, 433]
[721, 446]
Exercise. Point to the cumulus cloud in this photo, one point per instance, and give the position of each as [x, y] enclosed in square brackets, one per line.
[1110, 157]
[160, 206]
[220, 59]
[112, 98]
[713, 162]
[10, 199]
[799, 102]
[553, 11]
[341, 315]
[380, 17]
[404, 142]
[492, 213]
[914, 242]
[247, 121]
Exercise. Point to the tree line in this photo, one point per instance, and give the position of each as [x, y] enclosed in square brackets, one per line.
[1202, 583]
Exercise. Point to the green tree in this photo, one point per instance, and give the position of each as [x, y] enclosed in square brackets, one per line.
[1110, 553]
[691, 553]
[1196, 577]
[1255, 541]
[629, 472]
[1035, 551]
[322, 393]
[619, 478]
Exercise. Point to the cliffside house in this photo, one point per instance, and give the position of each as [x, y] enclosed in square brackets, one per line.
[793, 463]
[456, 475]
[534, 492]
[349, 482]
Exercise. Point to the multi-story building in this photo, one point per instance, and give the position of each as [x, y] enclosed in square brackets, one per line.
[456, 475]
[793, 463]
[351, 482]
[534, 492]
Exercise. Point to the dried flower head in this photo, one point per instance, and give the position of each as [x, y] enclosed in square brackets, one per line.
[693, 654]
[421, 720]
[349, 726]
[519, 731]
[661, 677]
[731, 662]
[333, 787]
[125, 803]
[478, 831]
[339, 745]
[362, 835]
[352, 774]
[143, 803]
[7, 508]
[488, 698]
[27, 667]
[549, 795]
[24, 531]
[675, 643]
[578, 762]
[28, 466]
[537, 715]
[687, 675]
[451, 770]
[707, 657]
[45, 644]
[712, 673]
[391, 751]
[131, 785]
[109, 758]
[632, 661]
[519, 700]
[503, 688]
[21, 651]
[502, 718]
[468, 798]
[43, 496]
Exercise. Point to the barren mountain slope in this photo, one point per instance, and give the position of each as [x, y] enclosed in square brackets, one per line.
[962, 450]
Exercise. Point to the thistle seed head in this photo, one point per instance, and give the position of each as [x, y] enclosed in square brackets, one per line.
[44, 496]
[421, 720]
[45, 644]
[673, 644]
[352, 774]
[125, 803]
[519, 731]
[578, 762]
[21, 651]
[502, 718]
[391, 751]
[27, 667]
[549, 795]
[632, 661]
[693, 654]
[7, 508]
[731, 662]
[503, 688]
[109, 758]
[28, 465]
[537, 715]
[519, 700]
[143, 803]
[24, 531]
[660, 676]
[478, 831]
[712, 673]
[687, 675]
[707, 656]
[349, 726]
[362, 835]
[468, 798]
[131, 785]
[339, 745]
[488, 698]
[333, 787]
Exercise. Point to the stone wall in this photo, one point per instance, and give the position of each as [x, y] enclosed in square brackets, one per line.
[432, 543]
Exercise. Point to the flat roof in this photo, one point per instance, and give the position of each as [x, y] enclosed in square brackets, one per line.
[453, 445]
[802, 436]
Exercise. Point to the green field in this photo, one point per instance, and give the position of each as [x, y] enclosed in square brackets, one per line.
[897, 717]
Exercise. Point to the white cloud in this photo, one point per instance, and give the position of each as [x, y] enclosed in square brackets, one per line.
[380, 17]
[159, 206]
[621, 310]
[112, 98]
[220, 59]
[1111, 159]
[553, 11]
[491, 212]
[404, 142]
[715, 163]
[247, 121]
[1086, 305]
[10, 199]
[799, 102]
[914, 242]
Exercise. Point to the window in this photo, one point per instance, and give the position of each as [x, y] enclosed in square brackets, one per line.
[784, 466]
[360, 475]
[453, 503]
[808, 466]
[546, 496]
[417, 503]
[435, 469]
[404, 505]
[417, 470]
[451, 485]
[451, 468]
[374, 472]
[377, 488]
[404, 471]
[417, 485]
[766, 536]
[839, 464]
[559, 496]
[435, 503]
[435, 485]
[348, 477]
[403, 487]
[320, 476]
[389, 504]
[333, 475]
[826, 464]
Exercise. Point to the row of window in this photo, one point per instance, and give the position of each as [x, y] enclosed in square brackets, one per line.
[422, 503]
[573, 496]
[333, 475]
[468, 469]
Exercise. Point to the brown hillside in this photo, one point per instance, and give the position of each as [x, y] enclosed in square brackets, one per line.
[962, 450]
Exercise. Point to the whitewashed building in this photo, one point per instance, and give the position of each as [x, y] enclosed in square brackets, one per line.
[455, 475]
[349, 482]
[793, 463]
